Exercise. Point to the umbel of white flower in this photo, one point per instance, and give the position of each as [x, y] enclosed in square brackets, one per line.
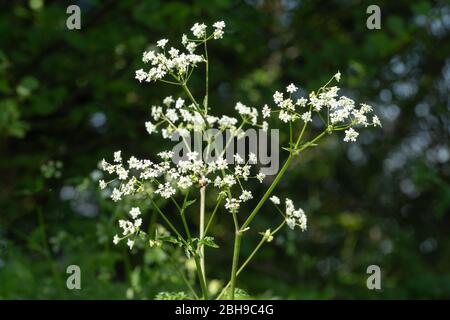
[158, 179]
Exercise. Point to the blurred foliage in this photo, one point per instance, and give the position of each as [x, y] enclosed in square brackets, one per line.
[69, 98]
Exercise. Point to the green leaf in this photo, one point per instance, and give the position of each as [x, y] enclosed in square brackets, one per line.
[208, 241]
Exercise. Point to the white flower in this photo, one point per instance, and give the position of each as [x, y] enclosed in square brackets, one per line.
[350, 135]
[265, 126]
[162, 43]
[291, 223]
[118, 156]
[238, 158]
[191, 47]
[127, 227]
[179, 103]
[141, 75]
[376, 121]
[218, 32]
[295, 217]
[260, 176]
[291, 88]
[232, 205]
[166, 155]
[102, 184]
[199, 30]
[301, 102]
[130, 243]
[221, 164]
[266, 111]
[192, 155]
[252, 159]
[148, 56]
[138, 223]
[165, 190]
[302, 221]
[135, 212]
[337, 76]
[150, 127]
[116, 239]
[306, 116]
[134, 163]
[219, 25]
[122, 173]
[184, 182]
[275, 199]
[277, 97]
[168, 101]
[116, 195]
[284, 116]
[245, 196]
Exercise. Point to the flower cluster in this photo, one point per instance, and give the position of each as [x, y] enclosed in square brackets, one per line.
[341, 112]
[177, 63]
[293, 217]
[182, 116]
[129, 228]
[165, 178]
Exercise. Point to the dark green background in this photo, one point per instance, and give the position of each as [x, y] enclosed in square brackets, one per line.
[71, 96]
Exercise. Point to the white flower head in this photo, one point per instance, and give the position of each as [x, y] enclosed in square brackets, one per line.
[102, 184]
[150, 127]
[266, 111]
[162, 43]
[135, 212]
[260, 176]
[252, 158]
[376, 121]
[337, 76]
[141, 75]
[275, 199]
[291, 88]
[350, 135]
[130, 243]
[232, 205]
[199, 30]
[245, 196]
[118, 156]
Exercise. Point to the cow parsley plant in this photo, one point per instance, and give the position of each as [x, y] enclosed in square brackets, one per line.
[161, 180]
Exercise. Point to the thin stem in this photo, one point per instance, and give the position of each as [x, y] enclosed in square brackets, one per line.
[250, 257]
[191, 97]
[207, 79]
[268, 192]
[171, 226]
[212, 216]
[202, 230]
[201, 277]
[237, 247]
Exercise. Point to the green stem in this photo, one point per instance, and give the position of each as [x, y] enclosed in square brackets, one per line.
[212, 216]
[201, 277]
[207, 79]
[237, 247]
[202, 230]
[268, 192]
[171, 226]
[250, 257]
[191, 97]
